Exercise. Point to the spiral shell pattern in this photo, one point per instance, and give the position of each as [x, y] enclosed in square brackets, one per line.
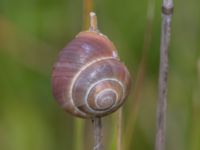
[88, 79]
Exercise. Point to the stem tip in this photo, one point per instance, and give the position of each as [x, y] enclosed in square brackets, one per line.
[93, 22]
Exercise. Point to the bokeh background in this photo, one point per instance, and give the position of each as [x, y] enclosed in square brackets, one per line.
[32, 32]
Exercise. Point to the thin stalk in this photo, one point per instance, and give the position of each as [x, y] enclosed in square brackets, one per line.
[93, 22]
[119, 129]
[87, 8]
[97, 133]
[79, 126]
[96, 120]
[167, 11]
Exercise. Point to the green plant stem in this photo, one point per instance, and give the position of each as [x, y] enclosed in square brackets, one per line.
[79, 126]
[119, 129]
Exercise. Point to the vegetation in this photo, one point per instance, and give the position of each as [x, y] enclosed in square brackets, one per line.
[33, 32]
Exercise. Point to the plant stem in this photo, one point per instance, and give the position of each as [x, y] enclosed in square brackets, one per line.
[119, 129]
[87, 8]
[79, 126]
[167, 11]
[93, 22]
[97, 133]
[96, 120]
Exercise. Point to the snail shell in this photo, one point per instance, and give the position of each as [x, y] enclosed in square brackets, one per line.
[88, 79]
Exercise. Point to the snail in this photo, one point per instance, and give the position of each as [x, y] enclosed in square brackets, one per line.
[88, 79]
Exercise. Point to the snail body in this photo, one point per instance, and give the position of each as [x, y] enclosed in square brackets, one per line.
[88, 78]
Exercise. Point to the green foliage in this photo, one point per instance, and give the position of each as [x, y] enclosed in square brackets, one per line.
[32, 33]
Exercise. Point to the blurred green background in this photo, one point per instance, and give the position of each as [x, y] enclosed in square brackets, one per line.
[32, 32]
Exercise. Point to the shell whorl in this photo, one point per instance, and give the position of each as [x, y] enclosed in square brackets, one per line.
[88, 78]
